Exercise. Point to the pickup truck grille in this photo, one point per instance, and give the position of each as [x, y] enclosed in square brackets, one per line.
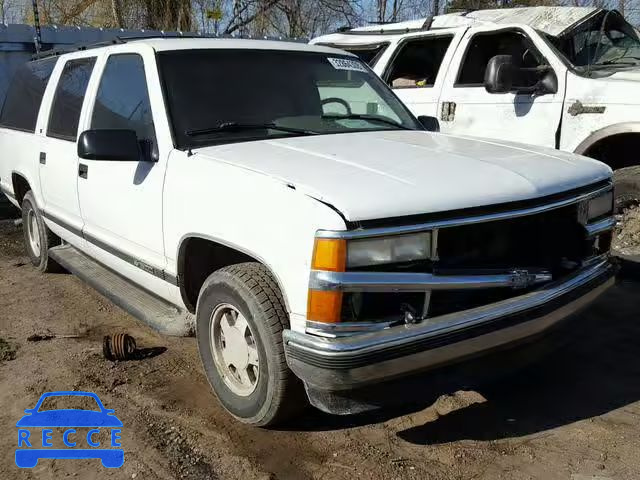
[553, 241]
[547, 241]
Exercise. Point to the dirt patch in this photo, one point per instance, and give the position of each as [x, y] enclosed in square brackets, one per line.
[574, 415]
[627, 238]
[8, 350]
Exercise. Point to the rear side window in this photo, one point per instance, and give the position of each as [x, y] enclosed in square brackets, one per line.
[123, 99]
[418, 62]
[67, 102]
[24, 97]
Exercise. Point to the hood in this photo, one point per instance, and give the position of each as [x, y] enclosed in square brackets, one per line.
[386, 174]
[629, 75]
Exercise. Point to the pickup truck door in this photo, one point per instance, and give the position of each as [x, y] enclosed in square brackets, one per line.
[121, 201]
[58, 156]
[416, 69]
[466, 108]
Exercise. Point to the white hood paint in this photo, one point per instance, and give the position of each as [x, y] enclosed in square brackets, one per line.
[395, 173]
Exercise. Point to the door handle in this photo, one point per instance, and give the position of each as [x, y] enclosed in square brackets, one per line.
[83, 170]
[43, 158]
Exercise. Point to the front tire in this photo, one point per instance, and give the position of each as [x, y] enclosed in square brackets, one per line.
[239, 323]
[38, 239]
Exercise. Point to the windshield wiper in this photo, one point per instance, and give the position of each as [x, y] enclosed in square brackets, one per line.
[371, 118]
[616, 62]
[235, 126]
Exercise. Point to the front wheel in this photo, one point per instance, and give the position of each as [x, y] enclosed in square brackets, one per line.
[240, 319]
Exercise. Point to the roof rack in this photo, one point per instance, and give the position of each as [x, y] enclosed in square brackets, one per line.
[118, 39]
[87, 46]
[395, 31]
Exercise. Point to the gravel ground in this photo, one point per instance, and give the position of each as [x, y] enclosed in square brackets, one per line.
[574, 415]
[627, 240]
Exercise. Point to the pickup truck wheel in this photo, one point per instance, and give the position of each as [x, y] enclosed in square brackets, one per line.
[38, 239]
[627, 187]
[240, 319]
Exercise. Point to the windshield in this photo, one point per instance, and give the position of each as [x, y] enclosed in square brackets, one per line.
[219, 96]
[605, 41]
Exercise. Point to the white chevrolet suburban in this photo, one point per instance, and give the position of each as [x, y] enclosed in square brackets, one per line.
[214, 185]
[560, 77]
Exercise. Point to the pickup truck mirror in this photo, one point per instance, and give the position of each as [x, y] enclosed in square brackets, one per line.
[429, 123]
[499, 75]
[115, 145]
[503, 75]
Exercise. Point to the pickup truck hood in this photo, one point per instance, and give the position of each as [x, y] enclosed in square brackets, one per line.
[386, 174]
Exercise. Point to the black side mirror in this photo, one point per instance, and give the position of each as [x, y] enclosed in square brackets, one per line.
[430, 124]
[504, 75]
[500, 74]
[115, 145]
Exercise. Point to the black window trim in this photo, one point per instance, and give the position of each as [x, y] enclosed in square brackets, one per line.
[144, 69]
[518, 30]
[55, 94]
[401, 44]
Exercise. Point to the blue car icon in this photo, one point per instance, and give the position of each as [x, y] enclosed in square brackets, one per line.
[68, 419]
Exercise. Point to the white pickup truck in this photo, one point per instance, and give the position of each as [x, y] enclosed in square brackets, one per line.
[210, 185]
[560, 77]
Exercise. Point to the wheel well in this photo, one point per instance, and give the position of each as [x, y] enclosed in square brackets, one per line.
[20, 186]
[617, 151]
[197, 259]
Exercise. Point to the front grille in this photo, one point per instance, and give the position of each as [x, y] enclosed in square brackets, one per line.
[547, 241]
[553, 241]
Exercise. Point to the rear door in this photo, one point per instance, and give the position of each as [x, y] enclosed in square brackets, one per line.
[466, 107]
[58, 158]
[417, 69]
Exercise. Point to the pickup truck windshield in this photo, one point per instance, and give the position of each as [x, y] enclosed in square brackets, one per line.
[605, 41]
[217, 96]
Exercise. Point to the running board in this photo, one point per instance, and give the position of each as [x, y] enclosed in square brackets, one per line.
[155, 312]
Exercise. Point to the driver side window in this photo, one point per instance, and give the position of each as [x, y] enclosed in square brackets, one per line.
[484, 46]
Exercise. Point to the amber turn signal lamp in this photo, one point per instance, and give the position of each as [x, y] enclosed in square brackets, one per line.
[329, 254]
[324, 306]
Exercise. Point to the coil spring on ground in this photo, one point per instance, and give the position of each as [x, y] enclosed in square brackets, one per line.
[119, 346]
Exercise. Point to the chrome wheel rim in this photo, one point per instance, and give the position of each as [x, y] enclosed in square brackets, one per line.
[33, 230]
[234, 350]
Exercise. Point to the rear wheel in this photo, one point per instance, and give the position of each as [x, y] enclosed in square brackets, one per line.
[240, 319]
[38, 239]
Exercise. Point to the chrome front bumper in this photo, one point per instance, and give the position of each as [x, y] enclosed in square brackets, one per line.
[345, 363]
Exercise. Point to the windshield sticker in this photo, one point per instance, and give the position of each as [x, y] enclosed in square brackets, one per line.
[347, 64]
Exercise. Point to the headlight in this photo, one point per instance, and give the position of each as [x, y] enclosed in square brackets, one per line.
[600, 206]
[392, 249]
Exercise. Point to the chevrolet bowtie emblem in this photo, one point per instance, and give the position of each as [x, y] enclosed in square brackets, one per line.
[522, 279]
